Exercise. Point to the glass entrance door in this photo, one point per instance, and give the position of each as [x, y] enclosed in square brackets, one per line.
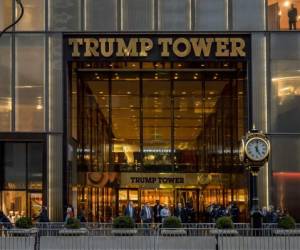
[189, 199]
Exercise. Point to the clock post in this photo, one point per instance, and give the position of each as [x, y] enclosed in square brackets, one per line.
[254, 153]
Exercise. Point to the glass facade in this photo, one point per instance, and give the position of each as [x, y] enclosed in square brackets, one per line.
[31, 83]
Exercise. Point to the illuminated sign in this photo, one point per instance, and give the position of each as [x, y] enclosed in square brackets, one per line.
[145, 46]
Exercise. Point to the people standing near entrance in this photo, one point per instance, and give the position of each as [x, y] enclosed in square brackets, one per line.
[292, 15]
[190, 213]
[165, 212]
[70, 212]
[43, 217]
[4, 221]
[146, 214]
[130, 211]
[180, 213]
[156, 210]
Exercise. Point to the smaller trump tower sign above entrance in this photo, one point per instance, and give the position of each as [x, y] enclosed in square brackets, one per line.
[193, 47]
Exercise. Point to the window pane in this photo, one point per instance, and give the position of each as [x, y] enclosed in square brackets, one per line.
[283, 16]
[64, 15]
[248, 15]
[138, 15]
[34, 15]
[157, 123]
[5, 13]
[211, 15]
[15, 165]
[174, 15]
[286, 173]
[35, 165]
[5, 83]
[29, 83]
[101, 15]
[285, 88]
[14, 204]
[125, 120]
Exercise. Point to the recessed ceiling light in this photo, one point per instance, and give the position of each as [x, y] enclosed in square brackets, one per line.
[128, 92]
[183, 92]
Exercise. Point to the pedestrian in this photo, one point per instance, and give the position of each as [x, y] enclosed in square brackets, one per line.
[43, 217]
[5, 221]
[130, 211]
[70, 213]
[146, 217]
[292, 15]
[180, 213]
[156, 212]
[81, 215]
[165, 212]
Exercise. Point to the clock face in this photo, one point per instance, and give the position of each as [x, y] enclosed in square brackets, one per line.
[242, 150]
[257, 149]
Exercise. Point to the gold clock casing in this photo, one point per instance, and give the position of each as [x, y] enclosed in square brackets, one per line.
[249, 155]
[242, 150]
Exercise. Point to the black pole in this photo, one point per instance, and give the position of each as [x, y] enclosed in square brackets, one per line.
[254, 191]
[256, 215]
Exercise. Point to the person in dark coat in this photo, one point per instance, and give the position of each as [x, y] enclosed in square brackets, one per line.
[130, 211]
[292, 15]
[5, 221]
[81, 215]
[156, 212]
[180, 213]
[43, 217]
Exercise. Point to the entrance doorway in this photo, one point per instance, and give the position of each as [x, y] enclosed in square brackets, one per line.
[160, 117]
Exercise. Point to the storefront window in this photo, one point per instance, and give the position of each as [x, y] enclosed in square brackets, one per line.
[30, 77]
[21, 166]
[283, 14]
[14, 204]
[285, 87]
[5, 83]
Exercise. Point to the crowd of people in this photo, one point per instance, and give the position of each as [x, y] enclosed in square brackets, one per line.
[159, 212]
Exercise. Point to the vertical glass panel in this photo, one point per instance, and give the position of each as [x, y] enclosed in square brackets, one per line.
[5, 13]
[174, 15]
[285, 88]
[248, 15]
[188, 123]
[14, 204]
[126, 121]
[138, 15]
[211, 15]
[30, 62]
[157, 122]
[101, 15]
[35, 165]
[14, 165]
[34, 15]
[5, 83]
[283, 15]
[285, 162]
[64, 15]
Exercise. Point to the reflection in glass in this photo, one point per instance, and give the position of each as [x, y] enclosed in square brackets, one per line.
[5, 83]
[34, 16]
[15, 165]
[30, 83]
[35, 165]
[281, 15]
[14, 204]
[5, 13]
[156, 121]
[125, 120]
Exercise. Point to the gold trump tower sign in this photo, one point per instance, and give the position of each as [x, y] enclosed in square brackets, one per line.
[197, 47]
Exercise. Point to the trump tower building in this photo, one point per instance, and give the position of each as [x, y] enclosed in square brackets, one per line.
[103, 102]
